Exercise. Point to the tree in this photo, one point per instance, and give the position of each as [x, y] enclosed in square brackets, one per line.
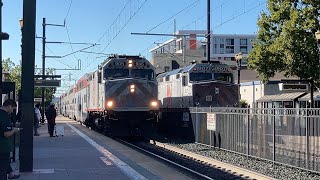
[286, 40]
[15, 76]
[14, 72]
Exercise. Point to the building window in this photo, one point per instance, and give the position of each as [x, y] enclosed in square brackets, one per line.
[229, 49]
[167, 78]
[244, 49]
[221, 49]
[230, 42]
[215, 49]
[243, 42]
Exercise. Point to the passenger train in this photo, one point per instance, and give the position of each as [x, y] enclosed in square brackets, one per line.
[118, 99]
[196, 85]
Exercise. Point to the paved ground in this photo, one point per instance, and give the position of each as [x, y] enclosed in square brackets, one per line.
[82, 154]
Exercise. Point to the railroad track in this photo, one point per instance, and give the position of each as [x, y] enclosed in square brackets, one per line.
[241, 172]
[193, 164]
[186, 169]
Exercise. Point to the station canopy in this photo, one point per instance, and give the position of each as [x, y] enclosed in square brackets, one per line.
[281, 97]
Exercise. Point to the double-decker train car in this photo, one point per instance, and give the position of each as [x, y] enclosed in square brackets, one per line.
[196, 85]
[81, 98]
[66, 104]
[122, 97]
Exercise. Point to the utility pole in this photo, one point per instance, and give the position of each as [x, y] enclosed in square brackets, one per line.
[44, 24]
[43, 66]
[208, 31]
[27, 87]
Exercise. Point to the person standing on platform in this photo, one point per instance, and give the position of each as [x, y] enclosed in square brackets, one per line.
[37, 118]
[6, 131]
[51, 114]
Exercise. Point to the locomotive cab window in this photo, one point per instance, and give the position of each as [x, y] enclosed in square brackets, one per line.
[200, 76]
[116, 73]
[223, 77]
[142, 73]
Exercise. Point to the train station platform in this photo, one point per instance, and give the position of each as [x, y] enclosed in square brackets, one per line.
[79, 156]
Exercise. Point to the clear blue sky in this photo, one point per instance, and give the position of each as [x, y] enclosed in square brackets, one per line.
[87, 21]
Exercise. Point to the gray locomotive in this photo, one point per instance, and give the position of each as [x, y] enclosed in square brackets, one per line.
[121, 97]
[196, 85]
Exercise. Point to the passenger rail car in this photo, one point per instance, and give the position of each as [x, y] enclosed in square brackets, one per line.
[123, 97]
[196, 85]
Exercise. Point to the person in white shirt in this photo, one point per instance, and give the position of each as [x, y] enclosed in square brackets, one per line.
[37, 119]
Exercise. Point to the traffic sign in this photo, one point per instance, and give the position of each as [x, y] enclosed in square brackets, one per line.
[47, 83]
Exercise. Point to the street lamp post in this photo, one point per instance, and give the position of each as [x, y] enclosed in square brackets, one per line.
[238, 58]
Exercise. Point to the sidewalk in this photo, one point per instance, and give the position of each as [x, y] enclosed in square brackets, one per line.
[70, 157]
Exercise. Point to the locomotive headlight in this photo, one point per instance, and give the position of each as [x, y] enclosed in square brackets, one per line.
[130, 63]
[109, 103]
[132, 88]
[154, 103]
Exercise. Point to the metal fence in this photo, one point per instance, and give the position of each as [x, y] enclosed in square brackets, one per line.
[288, 136]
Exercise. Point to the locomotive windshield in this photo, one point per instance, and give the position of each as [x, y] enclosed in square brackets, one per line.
[116, 73]
[223, 77]
[200, 76]
[142, 73]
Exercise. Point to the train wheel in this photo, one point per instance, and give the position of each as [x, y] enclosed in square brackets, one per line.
[107, 128]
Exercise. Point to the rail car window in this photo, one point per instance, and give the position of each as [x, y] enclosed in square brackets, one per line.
[223, 77]
[142, 73]
[200, 76]
[116, 73]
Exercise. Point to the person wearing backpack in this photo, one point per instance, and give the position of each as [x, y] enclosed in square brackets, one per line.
[51, 114]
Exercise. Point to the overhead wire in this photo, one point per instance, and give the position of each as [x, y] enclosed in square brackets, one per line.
[99, 39]
[233, 17]
[222, 23]
[191, 5]
[118, 32]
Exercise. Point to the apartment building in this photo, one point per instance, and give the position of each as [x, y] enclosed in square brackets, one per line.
[190, 45]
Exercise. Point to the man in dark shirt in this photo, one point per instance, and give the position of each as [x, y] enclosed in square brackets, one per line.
[51, 114]
[6, 131]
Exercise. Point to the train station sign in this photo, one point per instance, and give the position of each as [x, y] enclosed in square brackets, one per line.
[38, 99]
[47, 83]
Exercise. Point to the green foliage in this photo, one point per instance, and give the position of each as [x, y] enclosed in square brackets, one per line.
[15, 76]
[14, 72]
[243, 103]
[286, 40]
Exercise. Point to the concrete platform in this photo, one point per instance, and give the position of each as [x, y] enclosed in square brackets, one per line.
[82, 154]
[69, 157]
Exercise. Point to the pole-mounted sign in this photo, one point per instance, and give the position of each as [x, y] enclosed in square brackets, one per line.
[47, 83]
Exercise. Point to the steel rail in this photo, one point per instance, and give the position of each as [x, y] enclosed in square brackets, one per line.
[166, 160]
